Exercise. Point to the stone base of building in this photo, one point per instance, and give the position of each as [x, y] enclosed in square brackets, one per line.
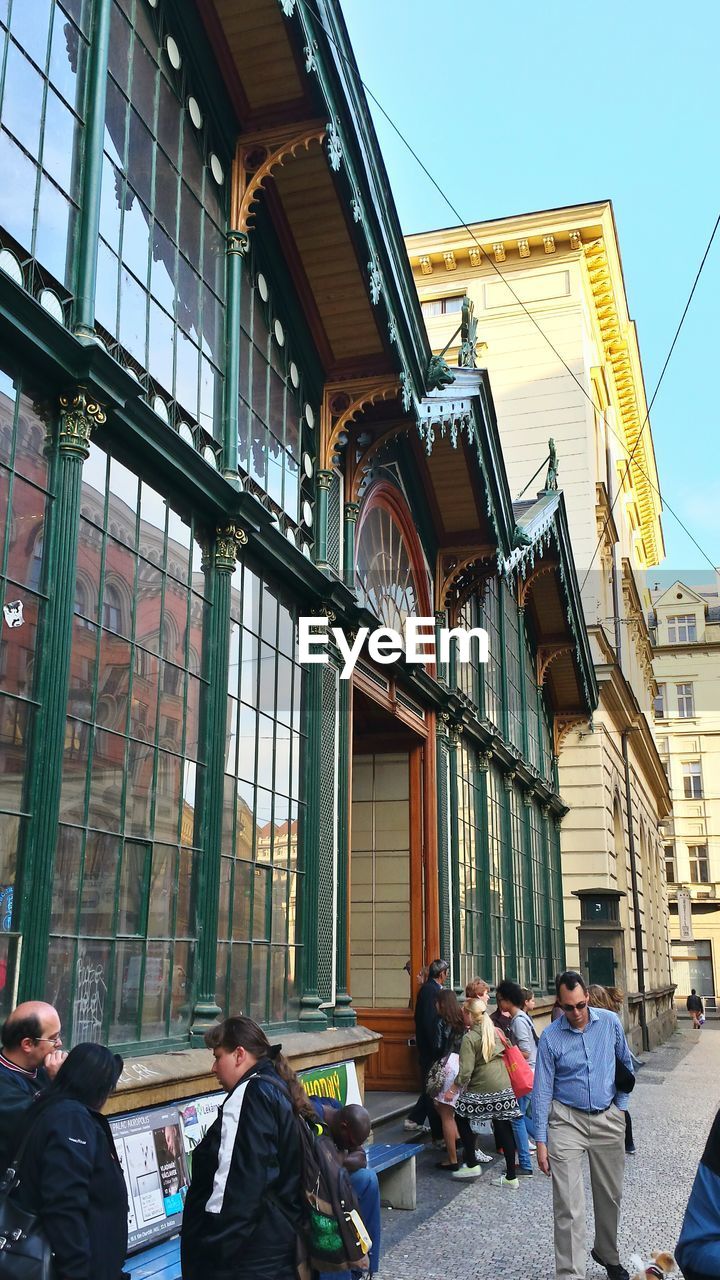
[166, 1077]
[660, 1016]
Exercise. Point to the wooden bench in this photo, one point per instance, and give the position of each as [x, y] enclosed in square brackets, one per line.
[394, 1163]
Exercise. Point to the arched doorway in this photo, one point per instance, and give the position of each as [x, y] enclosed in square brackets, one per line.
[393, 840]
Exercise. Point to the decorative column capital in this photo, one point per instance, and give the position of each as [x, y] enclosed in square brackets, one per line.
[238, 242]
[223, 551]
[508, 780]
[484, 760]
[324, 611]
[440, 617]
[545, 811]
[79, 414]
[352, 511]
[324, 480]
[527, 798]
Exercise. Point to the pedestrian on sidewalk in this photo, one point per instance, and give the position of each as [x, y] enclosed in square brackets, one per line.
[698, 1249]
[31, 1057]
[576, 1109]
[451, 1030]
[427, 1020]
[612, 998]
[694, 1006]
[511, 997]
[485, 1093]
[349, 1128]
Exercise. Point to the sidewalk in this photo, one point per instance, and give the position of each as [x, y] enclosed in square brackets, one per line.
[478, 1232]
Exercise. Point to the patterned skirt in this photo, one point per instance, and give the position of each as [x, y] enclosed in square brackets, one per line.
[478, 1108]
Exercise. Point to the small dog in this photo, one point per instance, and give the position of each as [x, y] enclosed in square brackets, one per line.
[660, 1265]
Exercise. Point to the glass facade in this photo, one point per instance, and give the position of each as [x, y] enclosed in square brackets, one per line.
[122, 945]
[263, 812]
[161, 256]
[43, 60]
[490, 620]
[24, 500]
[470, 869]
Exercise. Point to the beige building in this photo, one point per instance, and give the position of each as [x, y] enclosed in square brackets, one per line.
[686, 633]
[554, 331]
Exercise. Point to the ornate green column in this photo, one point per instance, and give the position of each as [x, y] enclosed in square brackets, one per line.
[324, 480]
[523, 690]
[509, 921]
[218, 565]
[528, 894]
[453, 744]
[483, 764]
[556, 823]
[67, 445]
[352, 511]
[311, 1015]
[548, 898]
[236, 250]
[343, 1013]
[89, 219]
[440, 624]
[442, 758]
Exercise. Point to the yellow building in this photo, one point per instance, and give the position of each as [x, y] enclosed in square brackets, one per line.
[556, 337]
[686, 661]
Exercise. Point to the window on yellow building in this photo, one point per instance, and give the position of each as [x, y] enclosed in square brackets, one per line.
[670, 871]
[682, 629]
[692, 780]
[442, 306]
[659, 703]
[685, 700]
[699, 872]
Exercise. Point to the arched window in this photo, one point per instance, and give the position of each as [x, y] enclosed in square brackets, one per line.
[112, 608]
[391, 576]
[36, 564]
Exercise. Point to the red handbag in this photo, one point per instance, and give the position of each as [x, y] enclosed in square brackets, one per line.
[518, 1068]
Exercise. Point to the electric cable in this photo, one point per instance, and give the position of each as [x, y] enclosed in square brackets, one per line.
[356, 73]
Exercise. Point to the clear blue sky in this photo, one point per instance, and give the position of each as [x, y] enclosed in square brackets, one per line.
[517, 107]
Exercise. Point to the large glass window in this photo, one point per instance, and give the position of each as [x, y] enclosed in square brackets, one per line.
[263, 816]
[500, 899]
[692, 780]
[493, 668]
[122, 945]
[43, 56]
[513, 669]
[161, 265]
[685, 700]
[521, 879]
[470, 878]
[386, 577]
[23, 506]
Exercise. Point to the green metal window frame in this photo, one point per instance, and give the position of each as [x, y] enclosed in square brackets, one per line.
[160, 300]
[258, 952]
[493, 672]
[25, 495]
[514, 668]
[44, 51]
[123, 932]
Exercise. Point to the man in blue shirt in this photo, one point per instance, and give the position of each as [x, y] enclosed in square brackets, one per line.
[576, 1108]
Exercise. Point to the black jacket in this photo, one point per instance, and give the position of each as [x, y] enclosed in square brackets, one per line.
[70, 1175]
[694, 1004]
[17, 1090]
[427, 1020]
[244, 1206]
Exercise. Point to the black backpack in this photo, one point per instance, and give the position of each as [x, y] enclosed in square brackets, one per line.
[335, 1235]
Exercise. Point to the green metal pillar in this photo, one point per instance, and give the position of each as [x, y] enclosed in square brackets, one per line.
[68, 445]
[528, 885]
[442, 757]
[523, 690]
[510, 923]
[343, 1013]
[483, 764]
[352, 511]
[558, 884]
[548, 899]
[440, 624]
[454, 742]
[218, 565]
[311, 1015]
[236, 249]
[324, 480]
[89, 220]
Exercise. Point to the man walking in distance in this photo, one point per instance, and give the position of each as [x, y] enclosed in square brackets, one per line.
[694, 1006]
[576, 1109]
[427, 1020]
[31, 1055]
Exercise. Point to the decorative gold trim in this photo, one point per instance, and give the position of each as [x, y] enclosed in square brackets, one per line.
[546, 655]
[426, 265]
[342, 403]
[80, 413]
[562, 726]
[256, 159]
[229, 538]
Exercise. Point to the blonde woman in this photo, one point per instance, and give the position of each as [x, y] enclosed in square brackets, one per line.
[485, 1093]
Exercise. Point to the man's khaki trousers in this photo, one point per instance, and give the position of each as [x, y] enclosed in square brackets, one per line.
[570, 1133]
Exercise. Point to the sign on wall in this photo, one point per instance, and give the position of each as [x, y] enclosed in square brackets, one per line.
[685, 920]
[155, 1149]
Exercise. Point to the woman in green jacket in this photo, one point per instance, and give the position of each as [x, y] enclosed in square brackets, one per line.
[485, 1094]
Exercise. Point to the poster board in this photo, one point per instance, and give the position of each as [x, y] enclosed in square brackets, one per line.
[155, 1149]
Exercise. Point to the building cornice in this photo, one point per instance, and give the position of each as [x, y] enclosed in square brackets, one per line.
[620, 701]
[587, 233]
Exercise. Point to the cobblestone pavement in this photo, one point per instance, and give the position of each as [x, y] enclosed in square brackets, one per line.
[480, 1232]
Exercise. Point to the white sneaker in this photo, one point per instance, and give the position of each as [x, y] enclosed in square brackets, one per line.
[467, 1171]
[531, 1145]
[412, 1126]
[512, 1184]
[483, 1157]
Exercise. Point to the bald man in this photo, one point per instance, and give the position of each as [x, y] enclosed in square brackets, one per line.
[31, 1055]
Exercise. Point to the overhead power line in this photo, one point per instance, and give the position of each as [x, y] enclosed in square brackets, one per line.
[443, 195]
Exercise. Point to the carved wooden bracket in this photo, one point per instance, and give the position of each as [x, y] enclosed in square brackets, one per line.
[562, 726]
[343, 402]
[256, 159]
[546, 655]
[525, 585]
[460, 573]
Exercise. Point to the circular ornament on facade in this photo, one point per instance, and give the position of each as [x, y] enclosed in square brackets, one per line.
[173, 53]
[10, 265]
[130, 372]
[195, 113]
[216, 169]
[50, 302]
[262, 285]
[279, 333]
[153, 3]
[294, 374]
[309, 416]
[290, 535]
[307, 551]
[160, 408]
[307, 514]
[186, 434]
[209, 456]
[308, 466]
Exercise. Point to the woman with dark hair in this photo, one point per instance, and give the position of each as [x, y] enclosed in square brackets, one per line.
[450, 1033]
[69, 1172]
[244, 1206]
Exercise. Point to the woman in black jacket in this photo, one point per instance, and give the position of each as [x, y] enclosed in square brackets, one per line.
[243, 1209]
[69, 1171]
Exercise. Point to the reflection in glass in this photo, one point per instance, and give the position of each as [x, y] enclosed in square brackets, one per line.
[242, 899]
[182, 982]
[89, 1003]
[127, 987]
[97, 904]
[239, 991]
[66, 879]
[132, 887]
